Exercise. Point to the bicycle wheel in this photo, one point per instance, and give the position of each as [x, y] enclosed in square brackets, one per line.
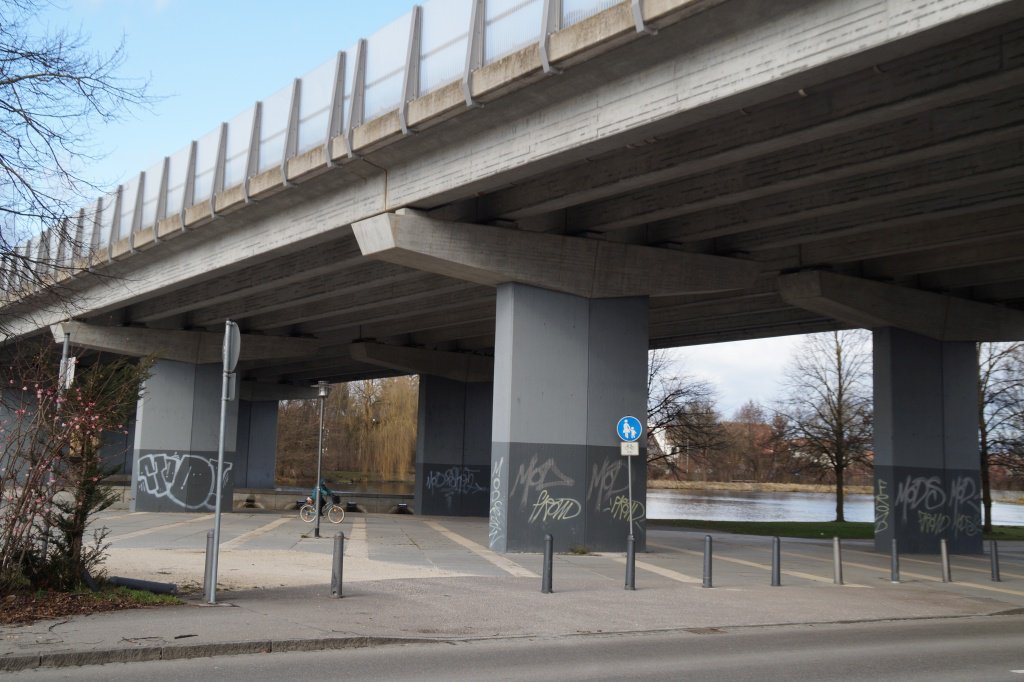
[307, 513]
[335, 514]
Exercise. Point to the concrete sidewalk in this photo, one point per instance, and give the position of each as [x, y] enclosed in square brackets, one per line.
[410, 578]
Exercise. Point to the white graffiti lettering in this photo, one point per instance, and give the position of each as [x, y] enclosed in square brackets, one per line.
[454, 482]
[535, 477]
[176, 477]
[882, 507]
[605, 484]
[548, 508]
[496, 521]
[937, 510]
[619, 509]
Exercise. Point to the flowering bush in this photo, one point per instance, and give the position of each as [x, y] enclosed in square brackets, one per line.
[51, 471]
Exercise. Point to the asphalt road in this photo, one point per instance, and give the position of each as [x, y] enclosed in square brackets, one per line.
[976, 648]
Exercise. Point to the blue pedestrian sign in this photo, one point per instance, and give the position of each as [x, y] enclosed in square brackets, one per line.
[629, 429]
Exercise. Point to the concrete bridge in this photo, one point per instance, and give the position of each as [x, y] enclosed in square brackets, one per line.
[516, 200]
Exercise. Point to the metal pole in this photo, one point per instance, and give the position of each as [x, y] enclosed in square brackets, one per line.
[219, 484]
[707, 561]
[231, 351]
[894, 567]
[208, 572]
[837, 561]
[776, 560]
[630, 562]
[629, 474]
[995, 561]
[338, 565]
[946, 577]
[545, 580]
[319, 455]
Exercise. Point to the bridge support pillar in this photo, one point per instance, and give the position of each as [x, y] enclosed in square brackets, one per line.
[566, 369]
[453, 447]
[177, 426]
[256, 453]
[927, 469]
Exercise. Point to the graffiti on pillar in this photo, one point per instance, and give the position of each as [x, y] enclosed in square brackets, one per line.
[178, 477]
[605, 485]
[496, 521]
[882, 506]
[936, 509]
[619, 509]
[454, 482]
[536, 477]
[548, 508]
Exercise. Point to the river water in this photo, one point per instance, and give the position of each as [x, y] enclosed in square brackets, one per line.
[718, 505]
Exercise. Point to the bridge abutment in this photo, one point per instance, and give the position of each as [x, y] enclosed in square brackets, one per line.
[566, 368]
[927, 468]
[453, 447]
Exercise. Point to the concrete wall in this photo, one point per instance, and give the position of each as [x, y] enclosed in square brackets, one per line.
[566, 369]
[453, 447]
[176, 439]
[927, 468]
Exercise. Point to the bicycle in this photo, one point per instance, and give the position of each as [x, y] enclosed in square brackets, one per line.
[334, 512]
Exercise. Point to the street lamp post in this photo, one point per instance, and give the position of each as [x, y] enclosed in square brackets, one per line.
[322, 389]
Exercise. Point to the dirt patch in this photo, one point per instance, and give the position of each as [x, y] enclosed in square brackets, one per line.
[19, 609]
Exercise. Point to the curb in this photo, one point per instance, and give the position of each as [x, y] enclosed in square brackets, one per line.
[169, 653]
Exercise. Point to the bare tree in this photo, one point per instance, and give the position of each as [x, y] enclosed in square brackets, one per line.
[1000, 413]
[680, 412]
[828, 404]
[53, 92]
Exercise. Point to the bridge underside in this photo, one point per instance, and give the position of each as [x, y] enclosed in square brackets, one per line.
[880, 188]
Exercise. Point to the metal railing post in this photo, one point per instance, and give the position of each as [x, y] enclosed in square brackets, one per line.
[631, 562]
[995, 561]
[946, 576]
[837, 561]
[338, 565]
[545, 581]
[894, 562]
[776, 561]
[707, 561]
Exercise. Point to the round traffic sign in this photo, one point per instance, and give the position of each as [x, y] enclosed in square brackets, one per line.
[629, 429]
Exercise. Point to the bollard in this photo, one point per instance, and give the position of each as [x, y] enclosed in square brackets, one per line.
[630, 563]
[894, 563]
[837, 561]
[208, 572]
[995, 562]
[776, 560]
[707, 561]
[337, 565]
[946, 577]
[545, 580]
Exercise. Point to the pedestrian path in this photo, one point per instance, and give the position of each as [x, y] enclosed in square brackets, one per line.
[408, 578]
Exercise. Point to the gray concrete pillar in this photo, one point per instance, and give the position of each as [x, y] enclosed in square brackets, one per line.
[927, 482]
[256, 452]
[177, 426]
[453, 447]
[565, 370]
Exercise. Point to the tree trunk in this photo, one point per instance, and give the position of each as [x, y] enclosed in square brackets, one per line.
[839, 495]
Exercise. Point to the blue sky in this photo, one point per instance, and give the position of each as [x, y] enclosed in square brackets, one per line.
[210, 59]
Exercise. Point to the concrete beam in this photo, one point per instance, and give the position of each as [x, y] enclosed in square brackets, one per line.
[183, 346]
[870, 304]
[255, 391]
[584, 267]
[464, 367]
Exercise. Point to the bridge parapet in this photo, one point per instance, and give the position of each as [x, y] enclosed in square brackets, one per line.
[428, 65]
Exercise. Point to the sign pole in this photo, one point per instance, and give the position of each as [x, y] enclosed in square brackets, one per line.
[232, 344]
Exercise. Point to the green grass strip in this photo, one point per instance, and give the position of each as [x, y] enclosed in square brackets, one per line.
[852, 530]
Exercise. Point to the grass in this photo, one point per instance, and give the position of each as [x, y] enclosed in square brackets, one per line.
[140, 597]
[849, 530]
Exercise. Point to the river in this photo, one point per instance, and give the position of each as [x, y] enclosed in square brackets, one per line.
[720, 505]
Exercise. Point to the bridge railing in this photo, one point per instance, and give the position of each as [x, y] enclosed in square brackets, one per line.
[432, 46]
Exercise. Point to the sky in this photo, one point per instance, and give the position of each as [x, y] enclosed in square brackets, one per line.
[208, 60]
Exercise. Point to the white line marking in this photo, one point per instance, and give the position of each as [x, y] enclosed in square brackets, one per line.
[254, 533]
[664, 572]
[501, 562]
[156, 529]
